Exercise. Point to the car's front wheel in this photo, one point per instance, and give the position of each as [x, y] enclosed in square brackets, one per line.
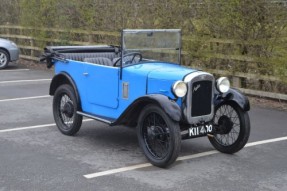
[65, 109]
[4, 59]
[159, 136]
[233, 128]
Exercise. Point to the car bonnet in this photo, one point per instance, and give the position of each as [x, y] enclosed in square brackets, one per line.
[170, 72]
[2, 40]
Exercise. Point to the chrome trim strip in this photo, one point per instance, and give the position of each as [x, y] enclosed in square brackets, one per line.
[94, 117]
[189, 77]
[125, 90]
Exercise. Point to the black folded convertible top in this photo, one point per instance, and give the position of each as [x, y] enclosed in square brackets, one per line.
[55, 52]
[82, 49]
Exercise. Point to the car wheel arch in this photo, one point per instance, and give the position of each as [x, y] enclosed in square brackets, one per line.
[132, 113]
[8, 53]
[233, 96]
[64, 78]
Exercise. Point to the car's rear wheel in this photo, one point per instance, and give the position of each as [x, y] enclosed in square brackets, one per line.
[4, 59]
[233, 128]
[159, 136]
[65, 109]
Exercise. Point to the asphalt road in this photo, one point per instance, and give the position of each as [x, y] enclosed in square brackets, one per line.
[34, 155]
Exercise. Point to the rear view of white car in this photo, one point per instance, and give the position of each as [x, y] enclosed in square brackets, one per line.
[8, 52]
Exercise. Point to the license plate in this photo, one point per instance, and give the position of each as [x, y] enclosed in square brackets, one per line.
[200, 130]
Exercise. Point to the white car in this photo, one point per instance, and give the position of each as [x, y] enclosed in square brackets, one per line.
[9, 52]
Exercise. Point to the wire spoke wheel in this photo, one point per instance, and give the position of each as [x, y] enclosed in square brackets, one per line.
[158, 135]
[65, 109]
[227, 116]
[232, 128]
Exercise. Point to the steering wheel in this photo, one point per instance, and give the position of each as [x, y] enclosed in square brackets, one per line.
[126, 58]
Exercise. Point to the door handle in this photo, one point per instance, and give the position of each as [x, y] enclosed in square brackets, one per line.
[86, 73]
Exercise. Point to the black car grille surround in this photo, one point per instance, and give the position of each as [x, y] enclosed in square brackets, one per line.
[201, 98]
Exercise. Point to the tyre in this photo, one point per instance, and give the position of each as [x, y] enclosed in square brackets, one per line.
[159, 136]
[233, 128]
[4, 59]
[65, 109]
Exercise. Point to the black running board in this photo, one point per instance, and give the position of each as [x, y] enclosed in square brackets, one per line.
[98, 118]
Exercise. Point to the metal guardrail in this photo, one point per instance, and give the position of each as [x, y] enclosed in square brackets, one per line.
[31, 51]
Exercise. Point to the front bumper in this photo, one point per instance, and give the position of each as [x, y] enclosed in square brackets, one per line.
[14, 53]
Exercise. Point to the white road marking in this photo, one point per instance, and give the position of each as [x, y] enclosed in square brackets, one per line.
[114, 171]
[266, 141]
[14, 70]
[20, 81]
[34, 127]
[212, 152]
[26, 128]
[198, 155]
[24, 98]
[134, 167]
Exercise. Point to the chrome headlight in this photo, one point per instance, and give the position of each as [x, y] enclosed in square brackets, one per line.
[222, 84]
[179, 89]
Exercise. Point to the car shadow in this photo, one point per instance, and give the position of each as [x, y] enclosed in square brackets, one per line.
[125, 139]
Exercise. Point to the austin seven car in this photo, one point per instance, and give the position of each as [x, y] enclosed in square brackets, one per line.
[141, 83]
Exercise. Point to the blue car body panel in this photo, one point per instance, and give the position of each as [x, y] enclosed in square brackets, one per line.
[100, 87]
[160, 80]
[169, 71]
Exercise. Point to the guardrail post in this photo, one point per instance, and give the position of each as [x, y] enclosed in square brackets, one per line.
[90, 36]
[32, 45]
[236, 82]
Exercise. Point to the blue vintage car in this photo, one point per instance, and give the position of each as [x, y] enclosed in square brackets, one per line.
[142, 84]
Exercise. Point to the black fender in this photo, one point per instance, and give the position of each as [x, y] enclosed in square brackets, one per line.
[130, 115]
[64, 78]
[233, 95]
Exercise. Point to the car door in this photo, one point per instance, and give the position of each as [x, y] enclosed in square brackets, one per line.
[101, 84]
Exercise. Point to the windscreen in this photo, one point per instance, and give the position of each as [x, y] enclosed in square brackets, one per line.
[155, 45]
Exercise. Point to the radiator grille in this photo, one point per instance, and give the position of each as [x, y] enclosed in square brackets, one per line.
[201, 98]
